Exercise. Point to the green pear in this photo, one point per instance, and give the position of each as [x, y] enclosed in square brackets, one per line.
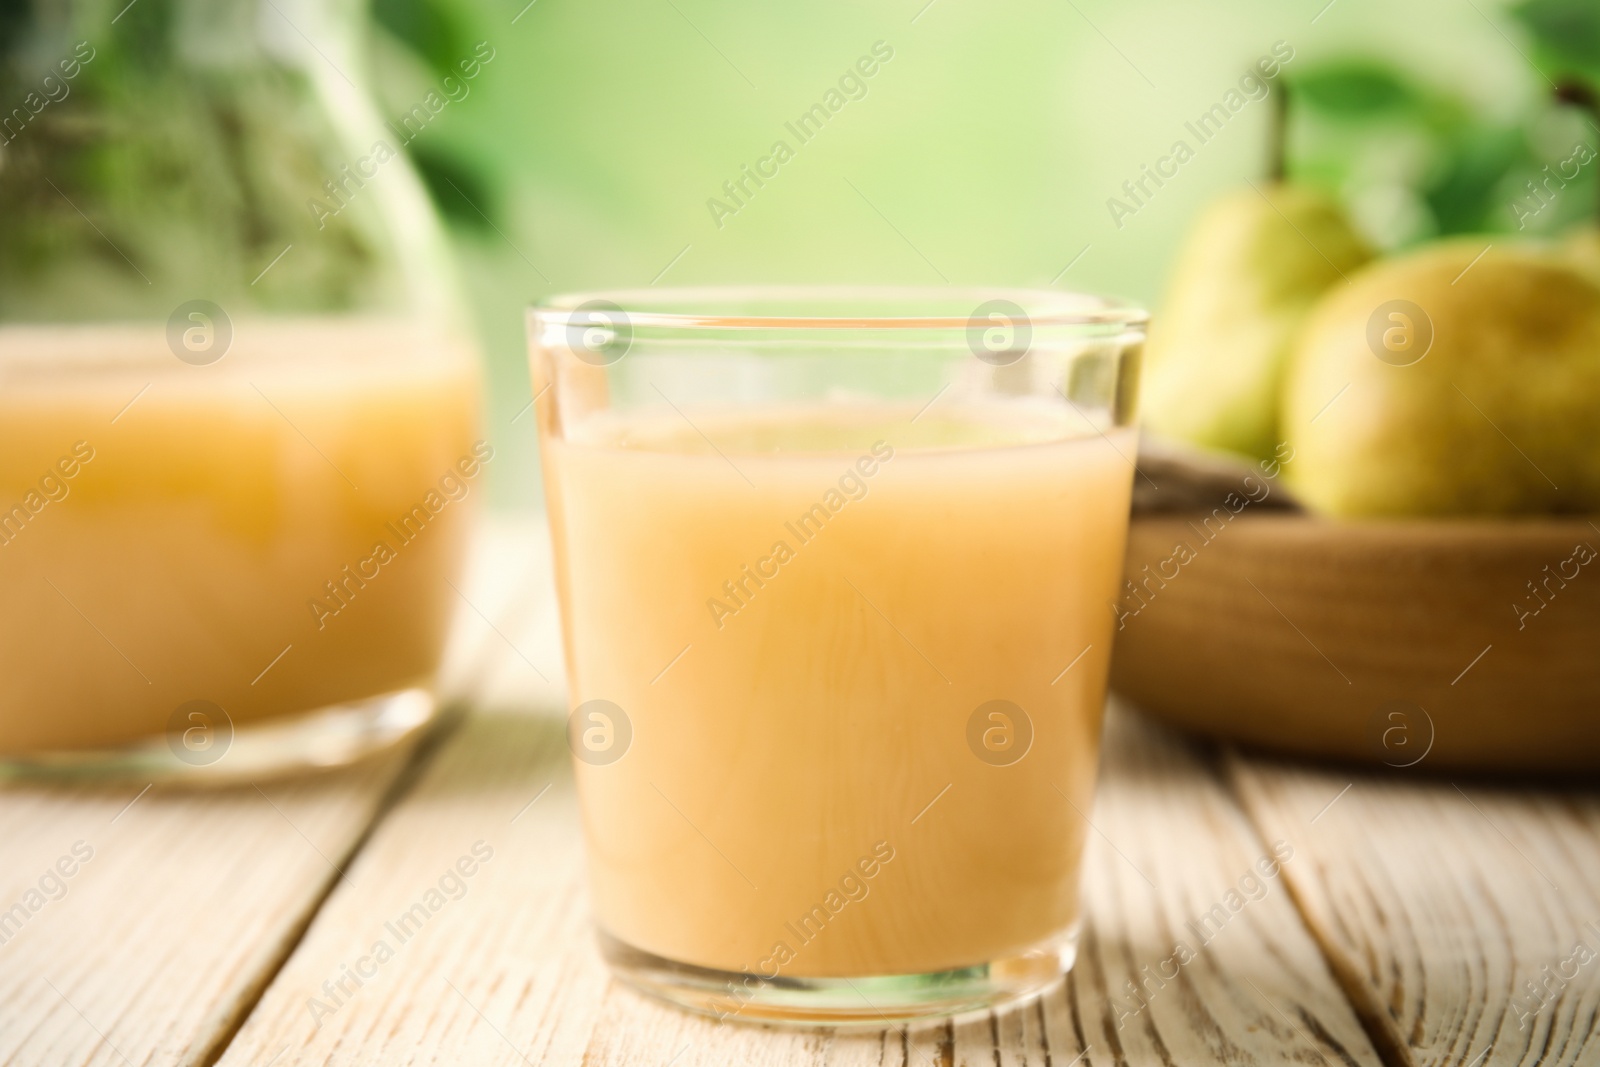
[1582, 249]
[1450, 381]
[1243, 283]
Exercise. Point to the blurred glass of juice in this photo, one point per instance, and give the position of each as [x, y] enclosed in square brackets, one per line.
[238, 417]
[270, 534]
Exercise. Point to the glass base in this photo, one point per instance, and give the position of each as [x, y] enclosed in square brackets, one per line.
[868, 1002]
[289, 744]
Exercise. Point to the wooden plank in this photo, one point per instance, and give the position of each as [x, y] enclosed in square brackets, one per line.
[505, 648]
[1463, 919]
[178, 908]
[1194, 952]
[503, 969]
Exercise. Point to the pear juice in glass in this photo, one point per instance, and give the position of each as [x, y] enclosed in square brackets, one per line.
[824, 560]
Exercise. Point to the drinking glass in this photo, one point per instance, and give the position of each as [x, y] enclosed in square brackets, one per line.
[835, 569]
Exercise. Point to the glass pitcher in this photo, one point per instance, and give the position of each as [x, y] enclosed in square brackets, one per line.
[239, 442]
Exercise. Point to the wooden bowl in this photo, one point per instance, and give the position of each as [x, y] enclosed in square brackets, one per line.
[1437, 644]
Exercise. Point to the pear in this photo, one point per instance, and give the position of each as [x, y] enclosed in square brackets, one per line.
[1582, 246]
[1243, 283]
[1582, 250]
[1450, 381]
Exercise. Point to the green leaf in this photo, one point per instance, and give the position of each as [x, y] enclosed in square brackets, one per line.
[1567, 30]
[458, 188]
[1464, 197]
[1355, 89]
[433, 30]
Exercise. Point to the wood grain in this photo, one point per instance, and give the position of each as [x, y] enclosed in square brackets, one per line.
[505, 649]
[508, 974]
[1432, 904]
[1292, 633]
[1176, 864]
[1463, 919]
[178, 909]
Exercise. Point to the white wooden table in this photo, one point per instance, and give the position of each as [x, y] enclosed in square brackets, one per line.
[1415, 921]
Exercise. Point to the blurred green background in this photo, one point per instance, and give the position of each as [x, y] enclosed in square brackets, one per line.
[985, 151]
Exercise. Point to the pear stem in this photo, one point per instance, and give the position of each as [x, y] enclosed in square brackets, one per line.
[1579, 93]
[1278, 133]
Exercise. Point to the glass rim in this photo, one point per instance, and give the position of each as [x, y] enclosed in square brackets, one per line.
[695, 307]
